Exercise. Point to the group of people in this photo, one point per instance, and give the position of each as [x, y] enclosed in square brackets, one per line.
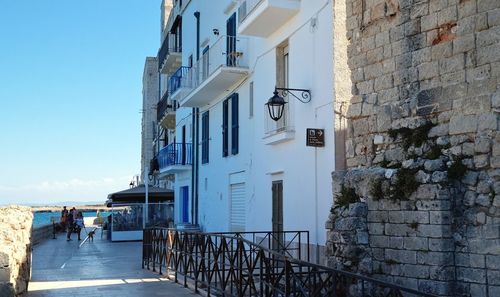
[72, 221]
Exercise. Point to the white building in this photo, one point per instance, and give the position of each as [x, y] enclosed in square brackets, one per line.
[251, 173]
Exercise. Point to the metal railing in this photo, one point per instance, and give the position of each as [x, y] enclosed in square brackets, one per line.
[227, 51]
[165, 105]
[228, 264]
[170, 45]
[175, 154]
[175, 82]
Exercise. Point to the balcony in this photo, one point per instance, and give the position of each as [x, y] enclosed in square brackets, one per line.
[175, 158]
[263, 17]
[169, 55]
[224, 64]
[166, 112]
[177, 85]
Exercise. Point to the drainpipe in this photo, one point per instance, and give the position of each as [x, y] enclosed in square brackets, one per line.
[197, 16]
[197, 167]
[193, 160]
[194, 175]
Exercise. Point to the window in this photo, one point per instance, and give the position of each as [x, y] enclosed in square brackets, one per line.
[282, 76]
[230, 135]
[204, 137]
[231, 40]
[205, 63]
[282, 81]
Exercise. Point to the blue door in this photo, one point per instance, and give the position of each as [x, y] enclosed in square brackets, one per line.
[185, 204]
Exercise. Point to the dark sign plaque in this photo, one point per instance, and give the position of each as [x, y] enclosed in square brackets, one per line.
[315, 137]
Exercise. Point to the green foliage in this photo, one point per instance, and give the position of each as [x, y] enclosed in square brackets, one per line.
[391, 262]
[346, 197]
[389, 164]
[457, 170]
[436, 151]
[376, 190]
[384, 163]
[405, 184]
[415, 137]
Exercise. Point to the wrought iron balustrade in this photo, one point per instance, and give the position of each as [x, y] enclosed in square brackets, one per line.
[170, 45]
[175, 154]
[164, 106]
[177, 79]
[229, 264]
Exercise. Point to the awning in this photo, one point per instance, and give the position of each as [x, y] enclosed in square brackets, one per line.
[137, 195]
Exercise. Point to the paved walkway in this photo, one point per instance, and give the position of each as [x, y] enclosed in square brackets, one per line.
[97, 269]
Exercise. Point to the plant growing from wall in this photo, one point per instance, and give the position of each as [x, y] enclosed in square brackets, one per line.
[376, 190]
[457, 170]
[405, 184]
[435, 151]
[345, 197]
[415, 137]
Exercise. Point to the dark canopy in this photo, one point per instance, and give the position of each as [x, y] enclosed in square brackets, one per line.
[137, 195]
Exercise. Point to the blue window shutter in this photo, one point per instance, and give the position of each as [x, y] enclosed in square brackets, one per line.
[225, 135]
[234, 124]
[204, 137]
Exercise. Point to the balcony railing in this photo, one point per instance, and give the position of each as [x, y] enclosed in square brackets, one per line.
[231, 265]
[170, 45]
[176, 80]
[164, 106]
[224, 63]
[174, 154]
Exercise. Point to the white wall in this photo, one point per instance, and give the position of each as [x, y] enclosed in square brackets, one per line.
[305, 171]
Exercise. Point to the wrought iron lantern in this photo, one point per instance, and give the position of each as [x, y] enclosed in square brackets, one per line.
[276, 104]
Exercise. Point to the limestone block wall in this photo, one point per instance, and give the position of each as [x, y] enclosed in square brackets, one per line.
[422, 138]
[41, 233]
[15, 250]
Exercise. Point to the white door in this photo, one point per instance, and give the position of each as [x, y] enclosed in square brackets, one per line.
[238, 213]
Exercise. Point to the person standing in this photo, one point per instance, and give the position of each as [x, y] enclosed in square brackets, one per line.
[69, 225]
[64, 217]
[79, 224]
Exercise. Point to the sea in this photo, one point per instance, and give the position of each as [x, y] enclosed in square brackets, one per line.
[42, 218]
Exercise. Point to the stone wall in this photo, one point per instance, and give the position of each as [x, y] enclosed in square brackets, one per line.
[41, 233]
[419, 203]
[15, 250]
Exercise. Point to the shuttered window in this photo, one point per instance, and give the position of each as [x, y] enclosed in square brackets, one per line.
[225, 135]
[234, 124]
[238, 213]
[230, 136]
[204, 137]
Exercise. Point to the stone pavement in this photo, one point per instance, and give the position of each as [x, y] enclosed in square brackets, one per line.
[99, 268]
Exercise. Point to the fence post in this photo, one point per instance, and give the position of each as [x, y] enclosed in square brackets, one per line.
[287, 277]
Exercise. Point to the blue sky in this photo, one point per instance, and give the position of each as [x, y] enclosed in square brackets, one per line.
[70, 96]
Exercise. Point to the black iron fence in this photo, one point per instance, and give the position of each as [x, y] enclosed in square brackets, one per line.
[165, 105]
[236, 264]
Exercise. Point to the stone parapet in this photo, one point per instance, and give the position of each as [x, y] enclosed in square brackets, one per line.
[15, 250]
[41, 233]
